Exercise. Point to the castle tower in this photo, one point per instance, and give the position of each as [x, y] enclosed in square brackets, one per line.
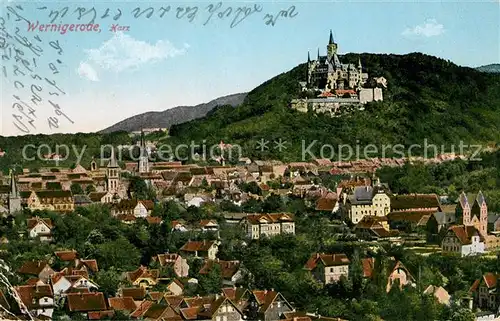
[14, 197]
[143, 165]
[331, 49]
[113, 173]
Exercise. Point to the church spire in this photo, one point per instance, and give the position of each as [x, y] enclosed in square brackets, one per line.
[318, 54]
[331, 38]
[13, 186]
[112, 160]
[308, 57]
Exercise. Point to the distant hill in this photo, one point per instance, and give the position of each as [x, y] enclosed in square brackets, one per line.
[427, 98]
[489, 68]
[173, 116]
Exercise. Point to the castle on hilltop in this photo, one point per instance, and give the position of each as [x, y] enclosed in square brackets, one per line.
[331, 84]
[328, 73]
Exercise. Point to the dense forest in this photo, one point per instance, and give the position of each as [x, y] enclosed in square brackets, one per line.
[427, 98]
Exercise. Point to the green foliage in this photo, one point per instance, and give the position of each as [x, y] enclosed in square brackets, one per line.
[76, 189]
[427, 98]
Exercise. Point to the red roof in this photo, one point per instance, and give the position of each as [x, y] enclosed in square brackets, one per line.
[368, 265]
[122, 304]
[326, 260]
[192, 246]
[86, 302]
[66, 255]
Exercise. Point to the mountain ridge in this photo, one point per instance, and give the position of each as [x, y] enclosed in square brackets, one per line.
[173, 116]
[494, 68]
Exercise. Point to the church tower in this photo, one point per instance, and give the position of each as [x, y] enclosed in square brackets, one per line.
[113, 173]
[143, 166]
[331, 49]
[14, 197]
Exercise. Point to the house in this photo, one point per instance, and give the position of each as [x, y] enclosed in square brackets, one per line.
[143, 277]
[126, 304]
[178, 264]
[416, 203]
[40, 269]
[327, 204]
[205, 249]
[484, 292]
[178, 226]
[231, 271]
[40, 228]
[38, 300]
[267, 305]
[220, 309]
[366, 200]
[101, 197]
[442, 296]
[397, 273]
[197, 201]
[81, 200]
[86, 303]
[493, 222]
[440, 221]
[463, 240]
[175, 287]
[138, 294]
[258, 225]
[160, 312]
[238, 295]
[328, 268]
[137, 208]
[209, 225]
[374, 228]
[53, 200]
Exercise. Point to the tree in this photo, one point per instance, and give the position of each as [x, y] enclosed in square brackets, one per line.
[109, 281]
[140, 190]
[463, 314]
[90, 188]
[76, 189]
[119, 253]
[212, 281]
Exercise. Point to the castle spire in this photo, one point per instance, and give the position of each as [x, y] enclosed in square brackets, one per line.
[331, 38]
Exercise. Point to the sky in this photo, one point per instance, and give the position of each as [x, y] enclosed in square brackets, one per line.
[160, 62]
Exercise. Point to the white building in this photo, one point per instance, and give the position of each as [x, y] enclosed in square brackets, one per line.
[258, 225]
[463, 240]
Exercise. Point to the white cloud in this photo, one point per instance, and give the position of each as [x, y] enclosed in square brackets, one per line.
[87, 71]
[122, 52]
[430, 28]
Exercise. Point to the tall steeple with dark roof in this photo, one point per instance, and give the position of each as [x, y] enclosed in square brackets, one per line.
[143, 165]
[14, 197]
[331, 49]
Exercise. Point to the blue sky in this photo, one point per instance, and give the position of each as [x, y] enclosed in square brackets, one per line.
[164, 62]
